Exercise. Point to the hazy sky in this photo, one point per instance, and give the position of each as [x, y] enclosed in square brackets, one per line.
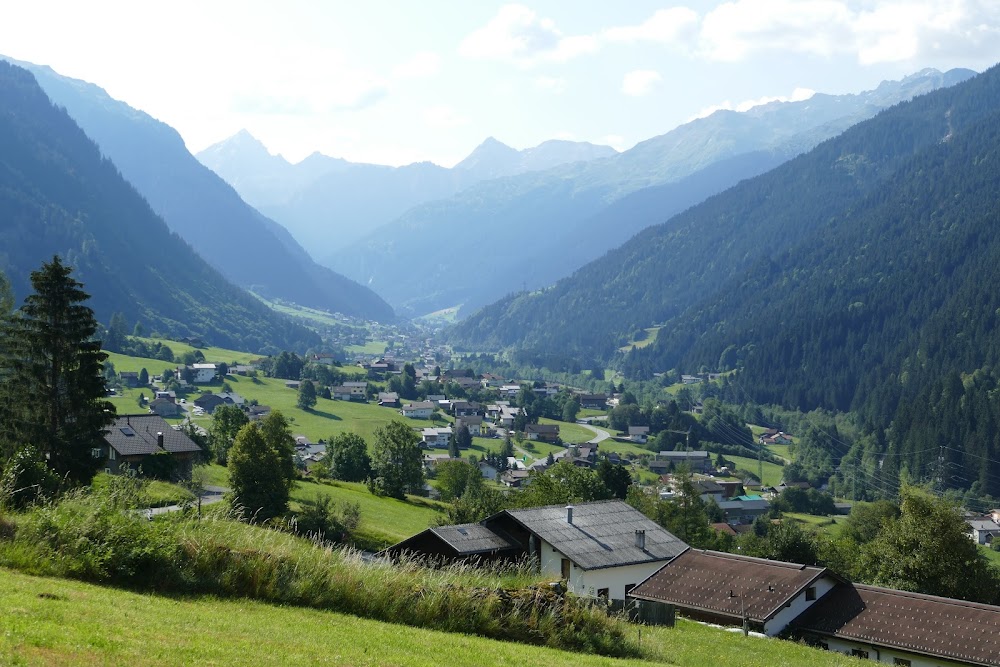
[398, 82]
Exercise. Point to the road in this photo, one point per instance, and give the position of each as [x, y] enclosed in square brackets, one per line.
[212, 494]
[600, 434]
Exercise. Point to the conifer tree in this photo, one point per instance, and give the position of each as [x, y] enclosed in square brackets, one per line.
[52, 391]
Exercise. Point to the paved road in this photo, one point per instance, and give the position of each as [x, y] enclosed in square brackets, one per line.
[212, 494]
[599, 433]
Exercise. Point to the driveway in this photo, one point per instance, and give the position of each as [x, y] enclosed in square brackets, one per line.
[599, 434]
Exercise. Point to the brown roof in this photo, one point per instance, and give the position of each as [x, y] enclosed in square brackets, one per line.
[724, 528]
[703, 581]
[925, 624]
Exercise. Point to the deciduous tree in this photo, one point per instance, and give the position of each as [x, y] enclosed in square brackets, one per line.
[397, 461]
[261, 470]
[347, 457]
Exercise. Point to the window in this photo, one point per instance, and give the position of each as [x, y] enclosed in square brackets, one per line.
[810, 593]
[565, 569]
[96, 452]
[112, 454]
[901, 661]
[628, 589]
[859, 653]
[603, 593]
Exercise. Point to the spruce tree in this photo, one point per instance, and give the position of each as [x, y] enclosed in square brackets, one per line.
[52, 391]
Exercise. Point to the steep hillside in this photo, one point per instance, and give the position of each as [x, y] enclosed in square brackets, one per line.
[202, 208]
[58, 195]
[328, 203]
[673, 267]
[509, 234]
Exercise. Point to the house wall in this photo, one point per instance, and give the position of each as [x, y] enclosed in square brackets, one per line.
[798, 605]
[588, 582]
[887, 655]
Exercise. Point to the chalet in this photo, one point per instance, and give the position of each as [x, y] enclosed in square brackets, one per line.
[490, 381]
[493, 409]
[593, 401]
[542, 432]
[600, 549]
[690, 379]
[436, 437]
[901, 628]
[164, 408]
[510, 391]
[357, 388]
[292, 384]
[761, 595]
[231, 398]
[168, 395]
[744, 509]
[514, 479]
[325, 359]
[464, 408]
[129, 379]
[341, 393]
[388, 399]
[983, 531]
[475, 424]
[421, 410]
[204, 373]
[131, 439]
[209, 402]
[466, 383]
[255, 412]
[698, 461]
[638, 433]
[488, 470]
[507, 416]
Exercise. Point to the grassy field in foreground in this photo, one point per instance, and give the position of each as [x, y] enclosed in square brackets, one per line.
[60, 622]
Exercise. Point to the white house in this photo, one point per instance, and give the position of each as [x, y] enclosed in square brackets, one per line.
[421, 410]
[436, 437]
[204, 373]
[600, 549]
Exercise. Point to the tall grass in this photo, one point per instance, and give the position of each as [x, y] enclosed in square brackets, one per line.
[97, 538]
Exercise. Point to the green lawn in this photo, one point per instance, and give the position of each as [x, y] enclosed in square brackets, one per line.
[372, 348]
[384, 521]
[50, 621]
[781, 450]
[772, 471]
[829, 525]
[651, 334]
[570, 433]
[992, 556]
[623, 448]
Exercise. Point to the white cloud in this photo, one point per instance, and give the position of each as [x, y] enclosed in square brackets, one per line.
[666, 25]
[519, 35]
[421, 65]
[550, 83]
[616, 141]
[798, 95]
[640, 82]
[442, 116]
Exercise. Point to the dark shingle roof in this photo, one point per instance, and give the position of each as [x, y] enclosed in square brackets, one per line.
[602, 533]
[132, 435]
[471, 538]
[939, 627]
[702, 580]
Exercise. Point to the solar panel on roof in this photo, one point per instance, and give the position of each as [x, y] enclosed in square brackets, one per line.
[127, 430]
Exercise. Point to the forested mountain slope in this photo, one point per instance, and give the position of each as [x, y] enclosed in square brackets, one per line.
[58, 195]
[512, 233]
[202, 208]
[667, 269]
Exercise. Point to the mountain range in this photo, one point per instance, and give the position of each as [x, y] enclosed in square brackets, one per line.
[329, 203]
[60, 195]
[848, 278]
[526, 231]
[247, 248]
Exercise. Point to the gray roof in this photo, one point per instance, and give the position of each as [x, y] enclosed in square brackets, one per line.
[471, 538]
[700, 454]
[744, 505]
[602, 534]
[132, 435]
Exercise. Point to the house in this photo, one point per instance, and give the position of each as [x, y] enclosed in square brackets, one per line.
[542, 432]
[325, 359]
[358, 389]
[204, 373]
[164, 408]
[231, 398]
[209, 402]
[638, 433]
[168, 395]
[131, 439]
[708, 489]
[464, 408]
[508, 415]
[292, 384]
[341, 393]
[514, 478]
[901, 628]
[255, 412]
[129, 379]
[727, 589]
[421, 410]
[744, 509]
[510, 391]
[490, 381]
[475, 424]
[436, 437]
[599, 549]
[690, 379]
[699, 461]
[983, 531]
[488, 470]
[388, 399]
[593, 401]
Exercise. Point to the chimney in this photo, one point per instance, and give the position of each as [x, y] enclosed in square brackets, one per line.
[159, 439]
[569, 514]
[640, 539]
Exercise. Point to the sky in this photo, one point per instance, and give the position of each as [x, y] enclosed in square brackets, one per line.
[401, 82]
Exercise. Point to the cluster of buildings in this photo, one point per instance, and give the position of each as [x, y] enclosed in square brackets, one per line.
[608, 550]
